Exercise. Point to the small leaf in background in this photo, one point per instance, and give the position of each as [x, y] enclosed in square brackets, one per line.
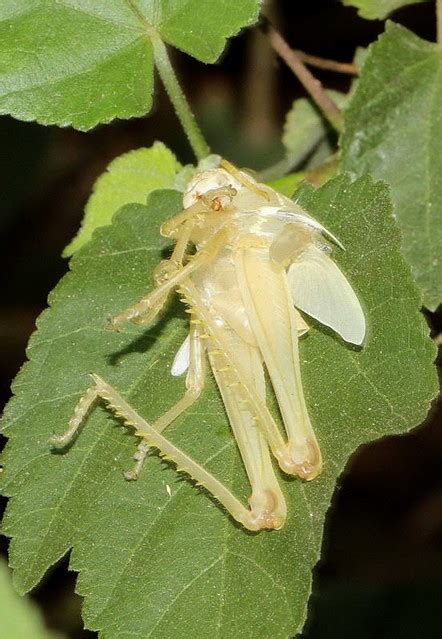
[378, 9]
[128, 179]
[158, 557]
[19, 618]
[305, 128]
[82, 63]
[393, 130]
[309, 142]
[288, 184]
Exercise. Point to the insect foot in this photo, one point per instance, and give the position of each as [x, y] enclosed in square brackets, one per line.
[302, 459]
[307, 459]
[267, 511]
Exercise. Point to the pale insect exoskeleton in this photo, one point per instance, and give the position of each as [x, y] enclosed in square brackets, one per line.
[245, 262]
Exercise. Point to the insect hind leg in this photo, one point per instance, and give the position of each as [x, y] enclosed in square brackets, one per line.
[81, 411]
[169, 451]
[267, 503]
[194, 385]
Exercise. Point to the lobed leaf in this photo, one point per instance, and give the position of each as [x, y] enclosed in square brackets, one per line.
[81, 63]
[130, 178]
[379, 9]
[158, 557]
[392, 130]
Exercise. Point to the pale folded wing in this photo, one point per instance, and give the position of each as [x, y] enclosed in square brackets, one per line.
[182, 359]
[321, 290]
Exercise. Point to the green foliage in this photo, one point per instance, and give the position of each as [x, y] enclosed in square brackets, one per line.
[379, 9]
[158, 557]
[18, 618]
[288, 184]
[81, 63]
[393, 131]
[305, 129]
[128, 179]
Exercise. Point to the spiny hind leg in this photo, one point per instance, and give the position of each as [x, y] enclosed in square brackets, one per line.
[194, 385]
[155, 439]
[267, 503]
[250, 395]
[256, 276]
[81, 411]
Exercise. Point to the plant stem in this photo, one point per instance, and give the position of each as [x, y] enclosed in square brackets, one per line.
[310, 83]
[330, 65]
[178, 99]
[439, 22]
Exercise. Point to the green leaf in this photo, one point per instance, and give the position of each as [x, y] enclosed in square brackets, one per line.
[305, 128]
[309, 142]
[19, 618]
[157, 557]
[288, 184]
[81, 63]
[128, 179]
[393, 131]
[378, 9]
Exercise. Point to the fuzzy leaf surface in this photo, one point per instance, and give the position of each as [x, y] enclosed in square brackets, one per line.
[157, 557]
[128, 179]
[82, 62]
[393, 130]
[379, 9]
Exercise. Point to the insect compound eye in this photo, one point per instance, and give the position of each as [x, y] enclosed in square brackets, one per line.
[216, 204]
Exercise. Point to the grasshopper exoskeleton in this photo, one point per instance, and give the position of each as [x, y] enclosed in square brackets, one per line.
[245, 260]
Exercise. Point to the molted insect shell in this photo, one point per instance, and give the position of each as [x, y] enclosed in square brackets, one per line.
[257, 262]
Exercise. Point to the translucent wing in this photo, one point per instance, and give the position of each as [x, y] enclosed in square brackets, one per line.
[182, 358]
[322, 291]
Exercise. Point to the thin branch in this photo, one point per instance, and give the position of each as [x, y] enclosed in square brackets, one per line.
[329, 65]
[309, 82]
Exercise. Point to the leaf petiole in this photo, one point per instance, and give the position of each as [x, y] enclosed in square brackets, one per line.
[178, 99]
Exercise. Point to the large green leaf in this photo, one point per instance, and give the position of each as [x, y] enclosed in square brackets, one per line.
[393, 130]
[378, 9]
[128, 179]
[82, 62]
[157, 557]
[19, 619]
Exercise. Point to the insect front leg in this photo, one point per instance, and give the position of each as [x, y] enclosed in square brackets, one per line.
[195, 379]
[153, 438]
[167, 268]
[149, 306]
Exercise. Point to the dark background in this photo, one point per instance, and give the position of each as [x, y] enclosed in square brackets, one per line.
[381, 572]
